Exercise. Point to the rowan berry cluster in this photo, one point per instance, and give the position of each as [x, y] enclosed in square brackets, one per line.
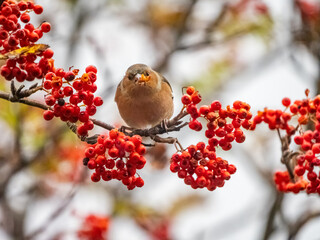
[200, 168]
[94, 227]
[305, 161]
[116, 156]
[71, 98]
[284, 183]
[16, 32]
[198, 165]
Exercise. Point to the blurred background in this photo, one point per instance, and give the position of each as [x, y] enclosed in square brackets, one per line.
[257, 51]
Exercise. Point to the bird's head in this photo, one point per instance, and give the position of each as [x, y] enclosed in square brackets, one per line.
[140, 76]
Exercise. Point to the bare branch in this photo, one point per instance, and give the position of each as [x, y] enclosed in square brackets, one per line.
[175, 124]
[301, 222]
[25, 101]
[179, 34]
[275, 208]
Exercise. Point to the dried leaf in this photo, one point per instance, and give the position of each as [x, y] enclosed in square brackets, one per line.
[32, 49]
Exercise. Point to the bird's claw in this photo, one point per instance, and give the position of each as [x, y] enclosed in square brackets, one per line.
[125, 128]
[164, 125]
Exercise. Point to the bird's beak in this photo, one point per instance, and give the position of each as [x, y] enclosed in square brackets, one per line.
[142, 78]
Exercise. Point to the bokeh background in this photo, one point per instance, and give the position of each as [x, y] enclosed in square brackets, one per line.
[257, 51]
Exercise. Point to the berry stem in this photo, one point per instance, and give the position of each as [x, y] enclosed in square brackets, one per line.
[287, 154]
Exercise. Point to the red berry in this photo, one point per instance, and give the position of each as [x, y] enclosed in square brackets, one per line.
[95, 177]
[6, 11]
[68, 91]
[90, 152]
[298, 139]
[190, 90]
[91, 68]
[139, 182]
[91, 110]
[48, 115]
[101, 160]
[25, 17]
[3, 34]
[204, 110]
[22, 6]
[201, 181]
[38, 9]
[196, 98]
[45, 27]
[5, 71]
[113, 152]
[286, 102]
[50, 100]
[195, 125]
[92, 76]
[91, 164]
[231, 168]
[129, 146]
[186, 99]
[137, 140]
[174, 167]
[48, 53]
[69, 76]
[97, 101]
[215, 105]
[82, 130]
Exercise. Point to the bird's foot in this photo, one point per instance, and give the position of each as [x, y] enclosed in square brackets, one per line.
[125, 128]
[164, 125]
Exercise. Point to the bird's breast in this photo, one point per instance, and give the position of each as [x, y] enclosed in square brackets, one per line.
[141, 108]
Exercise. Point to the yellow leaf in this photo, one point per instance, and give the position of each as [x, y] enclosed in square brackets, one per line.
[32, 49]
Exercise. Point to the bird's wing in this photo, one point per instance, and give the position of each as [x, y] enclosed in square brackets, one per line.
[166, 81]
[163, 79]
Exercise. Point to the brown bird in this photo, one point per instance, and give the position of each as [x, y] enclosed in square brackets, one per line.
[144, 97]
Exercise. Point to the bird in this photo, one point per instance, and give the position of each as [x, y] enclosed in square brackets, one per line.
[144, 97]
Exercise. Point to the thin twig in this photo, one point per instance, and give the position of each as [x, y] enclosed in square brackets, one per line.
[179, 35]
[276, 206]
[64, 204]
[25, 101]
[301, 222]
[287, 154]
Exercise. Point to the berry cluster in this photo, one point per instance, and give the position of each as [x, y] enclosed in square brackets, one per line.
[117, 156]
[306, 161]
[284, 184]
[198, 165]
[16, 32]
[71, 98]
[94, 227]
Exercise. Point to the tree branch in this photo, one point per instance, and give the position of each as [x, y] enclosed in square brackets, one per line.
[301, 222]
[24, 100]
[175, 124]
[276, 206]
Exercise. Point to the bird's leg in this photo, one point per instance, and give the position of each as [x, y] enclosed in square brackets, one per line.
[164, 124]
[125, 128]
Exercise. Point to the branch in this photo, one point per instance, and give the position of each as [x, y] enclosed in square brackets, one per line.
[175, 124]
[179, 34]
[287, 154]
[276, 206]
[301, 222]
[23, 100]
[63, 205]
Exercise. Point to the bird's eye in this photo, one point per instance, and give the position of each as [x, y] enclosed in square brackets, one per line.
[131, 76]
[146, 74]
